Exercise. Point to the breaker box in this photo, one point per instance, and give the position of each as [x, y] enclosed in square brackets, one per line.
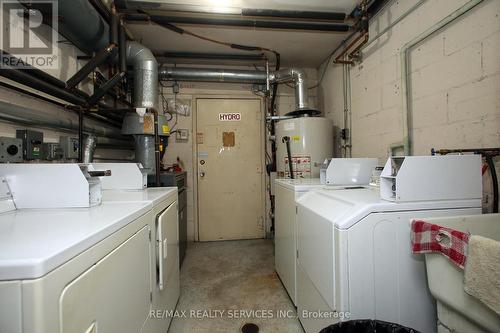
[11, 150]
[70, 147]
[32, 143]
[52, 151]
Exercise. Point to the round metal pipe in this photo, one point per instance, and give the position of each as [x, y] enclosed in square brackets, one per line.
[211, 75]
[145, 75]
[122, 48]
[145, 152]
[55, 119]
[294, 14]
[160, 19]
[83, 25]
[298, 77]
[295, 75]
[89, 146]
[115, 143]
[26, 79]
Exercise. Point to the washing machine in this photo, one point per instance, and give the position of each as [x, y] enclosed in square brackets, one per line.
[354, 259]
[342, 173]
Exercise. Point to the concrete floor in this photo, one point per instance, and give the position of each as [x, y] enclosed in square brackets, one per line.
[232, 276]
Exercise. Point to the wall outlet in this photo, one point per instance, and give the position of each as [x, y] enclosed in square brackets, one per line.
[11, 150]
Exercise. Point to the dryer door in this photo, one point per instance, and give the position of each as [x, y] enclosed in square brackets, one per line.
[114, 294]
[167, 244]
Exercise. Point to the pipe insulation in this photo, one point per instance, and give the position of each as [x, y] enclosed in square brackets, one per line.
[296, 76]
[82, 25]
[85, 27]
[55, 119]
[145, 75]
[211, 75]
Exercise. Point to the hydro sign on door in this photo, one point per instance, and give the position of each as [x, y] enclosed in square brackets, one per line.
[229, 116]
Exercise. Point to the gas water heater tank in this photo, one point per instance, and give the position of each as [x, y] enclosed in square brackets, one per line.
[311, 142]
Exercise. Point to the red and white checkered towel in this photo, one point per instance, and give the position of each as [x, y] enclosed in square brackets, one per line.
[427, 237]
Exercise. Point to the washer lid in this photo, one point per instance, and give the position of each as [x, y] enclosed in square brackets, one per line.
[346, 207]
[302, 184]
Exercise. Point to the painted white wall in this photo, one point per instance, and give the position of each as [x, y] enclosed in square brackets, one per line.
[455, 81]
[189, 91]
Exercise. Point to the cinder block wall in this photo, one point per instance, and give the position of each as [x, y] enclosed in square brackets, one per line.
[455, 81]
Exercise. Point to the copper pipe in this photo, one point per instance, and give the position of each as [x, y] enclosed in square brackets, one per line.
[355, 45]
[363, 37]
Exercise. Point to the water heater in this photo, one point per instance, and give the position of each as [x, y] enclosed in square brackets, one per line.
[311, 142]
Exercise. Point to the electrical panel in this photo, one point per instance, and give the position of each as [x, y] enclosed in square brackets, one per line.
[182, 135]
[52, 151]
[11, 150]
[70, 147]
[32, 143]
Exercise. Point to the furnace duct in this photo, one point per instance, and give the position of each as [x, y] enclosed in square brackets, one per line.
[296, 76]
[145, 75]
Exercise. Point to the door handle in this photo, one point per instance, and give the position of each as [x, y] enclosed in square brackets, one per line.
[202, 174]
[165, 247]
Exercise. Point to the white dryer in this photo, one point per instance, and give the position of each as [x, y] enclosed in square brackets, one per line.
[75, 269]
[354, 256]
[287, 191]
[165, 248]
[127, 184]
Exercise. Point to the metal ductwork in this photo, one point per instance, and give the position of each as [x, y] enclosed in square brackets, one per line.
[145, 75]
[298, 77]
[85, 27]
[143, 130]
[295, 75]
[211, 75]
[145, 152]
[89, 147]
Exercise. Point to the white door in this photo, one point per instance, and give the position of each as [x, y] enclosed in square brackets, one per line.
[167, 246]
[230, 169]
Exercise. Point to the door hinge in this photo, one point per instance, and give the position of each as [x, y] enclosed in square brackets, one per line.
[297, 254]
[150, 235]
[151, 296]
[296, 210]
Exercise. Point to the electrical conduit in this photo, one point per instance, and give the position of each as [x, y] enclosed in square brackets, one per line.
[405, 53]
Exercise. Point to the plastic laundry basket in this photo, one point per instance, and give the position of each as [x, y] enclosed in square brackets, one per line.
[367, 326]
